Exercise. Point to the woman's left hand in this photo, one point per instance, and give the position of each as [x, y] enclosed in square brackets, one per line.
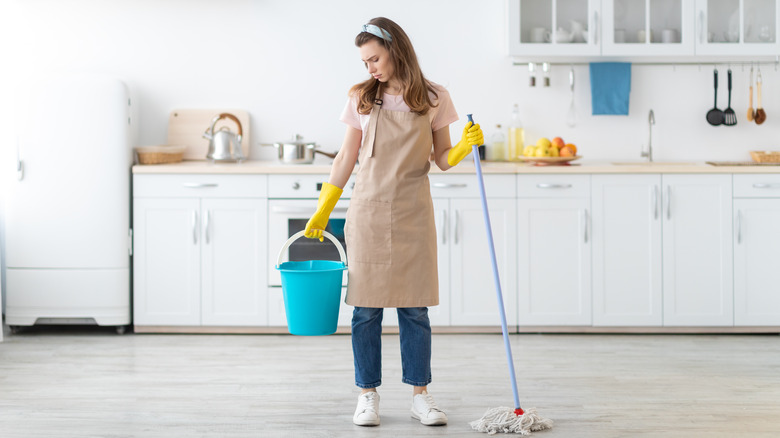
[472, 135]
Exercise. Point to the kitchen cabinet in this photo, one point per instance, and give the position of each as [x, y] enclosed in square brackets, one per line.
[756, 250]
[697, 250]
[199, 244]
[554, 27]
[737, 27]
[627, 263]
[466, 289]
[554, 256]
[647, 28]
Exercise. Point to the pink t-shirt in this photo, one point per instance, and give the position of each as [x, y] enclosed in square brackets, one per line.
[440, 116]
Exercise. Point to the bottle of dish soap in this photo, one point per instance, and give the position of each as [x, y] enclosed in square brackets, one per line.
[516, 141]
[497, 150]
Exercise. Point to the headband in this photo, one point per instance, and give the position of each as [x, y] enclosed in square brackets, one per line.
[373, 29]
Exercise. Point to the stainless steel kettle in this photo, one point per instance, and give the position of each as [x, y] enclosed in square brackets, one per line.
[224, 145]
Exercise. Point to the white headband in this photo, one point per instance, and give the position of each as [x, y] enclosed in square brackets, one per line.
[373, 29]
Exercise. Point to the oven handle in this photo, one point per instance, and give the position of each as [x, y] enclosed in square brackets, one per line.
[302, 210]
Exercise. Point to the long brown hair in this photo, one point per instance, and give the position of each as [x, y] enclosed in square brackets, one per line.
[407, 70]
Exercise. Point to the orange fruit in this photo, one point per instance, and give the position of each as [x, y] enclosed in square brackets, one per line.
[558, 142]
[573, 148]
[566, 151]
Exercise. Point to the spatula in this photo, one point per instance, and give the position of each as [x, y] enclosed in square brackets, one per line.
[751, 112]
[715, 116]
[729, 117]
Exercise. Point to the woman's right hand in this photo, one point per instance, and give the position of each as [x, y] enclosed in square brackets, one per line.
[472, 135]
[329, 196]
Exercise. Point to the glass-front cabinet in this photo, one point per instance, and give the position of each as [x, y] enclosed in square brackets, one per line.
[737, 27]
[554, 27]
[648, 27]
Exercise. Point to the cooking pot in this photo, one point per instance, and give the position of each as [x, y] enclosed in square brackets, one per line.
[224, 145]
[297, 151]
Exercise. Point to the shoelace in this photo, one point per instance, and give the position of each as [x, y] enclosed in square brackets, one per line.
[368, 402]
[430, 403]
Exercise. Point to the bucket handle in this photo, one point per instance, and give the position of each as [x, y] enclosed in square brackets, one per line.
[297, 235]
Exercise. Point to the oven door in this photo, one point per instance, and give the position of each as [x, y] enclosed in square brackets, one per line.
[288, 216]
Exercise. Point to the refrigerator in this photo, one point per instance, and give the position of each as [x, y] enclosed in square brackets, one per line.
[68, 235]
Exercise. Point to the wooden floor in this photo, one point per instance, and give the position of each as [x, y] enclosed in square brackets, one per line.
[95, 383]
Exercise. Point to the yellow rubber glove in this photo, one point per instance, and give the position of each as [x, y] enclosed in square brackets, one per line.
[472, 135]
[329, 195]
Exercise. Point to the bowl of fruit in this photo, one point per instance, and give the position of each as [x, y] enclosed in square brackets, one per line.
[548, 152]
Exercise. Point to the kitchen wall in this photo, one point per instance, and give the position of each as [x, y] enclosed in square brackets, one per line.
[291, 62]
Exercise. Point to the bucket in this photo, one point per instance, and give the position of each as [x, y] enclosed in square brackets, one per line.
[312, 291]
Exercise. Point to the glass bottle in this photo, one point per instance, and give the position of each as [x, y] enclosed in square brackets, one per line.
[516, 141]
[497, 151]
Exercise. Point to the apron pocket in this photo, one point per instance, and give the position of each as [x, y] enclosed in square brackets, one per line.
[369, 231]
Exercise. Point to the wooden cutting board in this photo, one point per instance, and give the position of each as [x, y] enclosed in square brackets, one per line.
[186, 128]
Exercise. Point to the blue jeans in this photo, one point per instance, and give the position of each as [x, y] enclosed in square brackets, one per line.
[415, 333]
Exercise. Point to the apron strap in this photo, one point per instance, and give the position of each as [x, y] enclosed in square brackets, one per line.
[372, 121]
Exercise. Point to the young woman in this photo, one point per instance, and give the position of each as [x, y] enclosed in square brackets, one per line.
[393, 119]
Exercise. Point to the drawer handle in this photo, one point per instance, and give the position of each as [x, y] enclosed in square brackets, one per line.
[444, 227]
[206, 226]
[199, 185]
[553, 186]
[194, 227]
[739, 227]
[766, 186]
[449, 186]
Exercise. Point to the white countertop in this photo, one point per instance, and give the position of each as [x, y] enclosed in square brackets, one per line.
[466, 167]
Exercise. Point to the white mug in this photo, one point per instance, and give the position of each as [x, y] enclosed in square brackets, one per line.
[669, 36]
[540, 35]
[620, 35]
[641, 35]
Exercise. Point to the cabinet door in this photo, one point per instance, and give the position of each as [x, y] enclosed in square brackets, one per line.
[472, 287]
[554, 28]
[627, 276]
[697, 248]
[233, 241]
[440, 315]
[646, 27]
[756, 259]
[166, 261]
[737, 27]
[554, 262]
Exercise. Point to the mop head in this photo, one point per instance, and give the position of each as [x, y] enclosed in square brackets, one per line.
[507, 420]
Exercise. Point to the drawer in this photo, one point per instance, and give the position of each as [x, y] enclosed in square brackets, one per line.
[553, 186]
[467, 186]
[757, 185]
[302, 186]
[200, 186]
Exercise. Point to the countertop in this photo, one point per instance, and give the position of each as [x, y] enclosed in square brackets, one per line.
[466, 167]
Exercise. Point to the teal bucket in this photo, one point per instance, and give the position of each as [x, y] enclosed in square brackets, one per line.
[312, 291]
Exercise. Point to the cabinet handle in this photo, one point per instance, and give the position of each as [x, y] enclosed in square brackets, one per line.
[655, 202]
[701, 26]
[766, 186]
[194, 227]
[553, 186]
[739, 226]
[585, 221]
[302, 210]
[449, 186]
[444, 227]
[199, 185]
[206, 225]
[457, 225]
[596, 29]
[668, 202]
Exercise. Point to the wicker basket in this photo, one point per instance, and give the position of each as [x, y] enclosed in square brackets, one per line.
[765, 156]
[159, 154]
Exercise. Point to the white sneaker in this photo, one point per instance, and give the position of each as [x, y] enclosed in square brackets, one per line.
[367, 412]
[425, 410]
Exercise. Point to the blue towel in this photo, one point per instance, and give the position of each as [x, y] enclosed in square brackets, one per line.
[610, 84]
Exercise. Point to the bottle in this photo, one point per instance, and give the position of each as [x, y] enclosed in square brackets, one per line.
[516, 141]
[497, 151]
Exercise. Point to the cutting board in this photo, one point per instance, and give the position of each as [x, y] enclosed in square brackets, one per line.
[186, 128]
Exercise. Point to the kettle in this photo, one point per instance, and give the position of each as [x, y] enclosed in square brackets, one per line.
[224, 145]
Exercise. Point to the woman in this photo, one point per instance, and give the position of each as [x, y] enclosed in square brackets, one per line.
[393, 119]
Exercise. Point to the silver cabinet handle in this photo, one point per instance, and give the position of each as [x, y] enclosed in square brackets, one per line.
[701, 26]
[739, 226]
[206, 225]
[19, 170]
[655, 202]
[596, 29]
[199, 185]
[766, 186]
[668, 202]
[194, 227]
[457, 225]
[449, 186]
[444, 227]
[585, 221]
[553, 186]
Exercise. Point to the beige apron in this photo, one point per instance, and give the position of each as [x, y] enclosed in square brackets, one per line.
[390, 230]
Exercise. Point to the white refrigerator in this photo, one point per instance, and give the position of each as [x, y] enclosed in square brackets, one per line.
[68, 236]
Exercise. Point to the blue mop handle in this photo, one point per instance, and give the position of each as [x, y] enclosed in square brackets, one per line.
[499, 295]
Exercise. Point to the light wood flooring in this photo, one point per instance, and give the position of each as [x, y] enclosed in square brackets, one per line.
[95, 383]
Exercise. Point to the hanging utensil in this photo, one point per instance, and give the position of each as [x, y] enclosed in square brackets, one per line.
[715, 116]
[760, 113]
[751, 112]
[729, 116]
[571, 116]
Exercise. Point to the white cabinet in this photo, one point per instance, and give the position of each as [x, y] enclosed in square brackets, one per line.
[554, 27]
[554, 255]
[647, 27]
[697, 250]
[200, 245]
[627, 270]
[756, 250]
[466, 287]
[737, 27]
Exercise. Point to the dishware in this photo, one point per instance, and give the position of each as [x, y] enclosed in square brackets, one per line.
[578, 32]
[715, 116]
[549, 161]
[540, 35]
[224, 145]
[760, 113]
[641, 36]
[561, 36]
[297, 151]
[751, 112]
[729, 117]
[669, 36]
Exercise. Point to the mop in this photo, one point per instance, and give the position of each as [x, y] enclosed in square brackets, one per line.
[503, 419]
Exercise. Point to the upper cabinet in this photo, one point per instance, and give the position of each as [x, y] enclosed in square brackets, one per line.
[643, 28]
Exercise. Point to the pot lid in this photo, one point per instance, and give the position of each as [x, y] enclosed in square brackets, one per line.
[297, 139]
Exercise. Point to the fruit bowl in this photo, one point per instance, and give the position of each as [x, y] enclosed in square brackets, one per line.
[550, 161]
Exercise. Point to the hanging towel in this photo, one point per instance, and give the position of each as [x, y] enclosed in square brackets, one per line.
[610, 84]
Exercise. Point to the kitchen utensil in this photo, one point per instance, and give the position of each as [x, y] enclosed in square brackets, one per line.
[297, 151]
[751, 112]
[185, 128]
[571, 116]
[715, 116]
[224, 145]
[760, 113]
[729, 117]
[502, 418]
